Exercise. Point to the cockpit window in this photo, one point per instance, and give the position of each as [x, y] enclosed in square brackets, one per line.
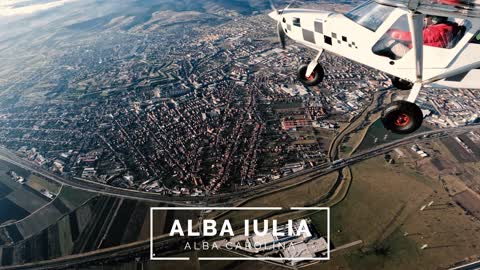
[476, 38]
[296, 22]
[438, 32]
[370, 15]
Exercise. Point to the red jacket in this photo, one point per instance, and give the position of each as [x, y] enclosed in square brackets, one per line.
[438, 35]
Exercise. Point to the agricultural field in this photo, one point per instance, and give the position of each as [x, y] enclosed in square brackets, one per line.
[28, 198]
[294, 195]
[377, 135]
[39, 183]
[384, 213]
[55, 238]
[378, 203]
[391, 225]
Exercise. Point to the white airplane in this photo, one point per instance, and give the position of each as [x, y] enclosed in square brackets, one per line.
[419, 43]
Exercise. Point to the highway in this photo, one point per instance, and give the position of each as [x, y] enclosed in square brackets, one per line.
[161, 244]
[124, 253]
[354, 123]
[238, 195]
[469, 266]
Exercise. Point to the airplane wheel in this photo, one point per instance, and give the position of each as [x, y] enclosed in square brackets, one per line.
[401, 83]
[314, 79]
[402, 117]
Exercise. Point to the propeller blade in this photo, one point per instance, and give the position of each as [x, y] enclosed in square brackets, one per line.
[272, 6]
[281, 35]
[288, 6]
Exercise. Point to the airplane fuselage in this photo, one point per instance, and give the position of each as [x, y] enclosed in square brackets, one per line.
[458, 67]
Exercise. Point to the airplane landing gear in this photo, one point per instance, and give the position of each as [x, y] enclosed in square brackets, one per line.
[401, 83]
[313, 73]
[402, 117]
[314, 78]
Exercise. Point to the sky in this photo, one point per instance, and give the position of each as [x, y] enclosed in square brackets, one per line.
[10, 8]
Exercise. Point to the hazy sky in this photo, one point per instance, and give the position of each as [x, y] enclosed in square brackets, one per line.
[18, 17]
[25, 7]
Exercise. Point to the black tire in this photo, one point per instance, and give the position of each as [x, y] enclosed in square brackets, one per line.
[402, 117]
[316, 77]
[401, 83]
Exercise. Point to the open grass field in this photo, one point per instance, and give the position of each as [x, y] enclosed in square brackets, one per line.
[28, 199]
[72, 198]
[303, 195]
[39, 183]
[160, 220]
[43, 213]
[382, 210]
[4, 190]
[7, 184]
[83, 215]
[5, 167]
[65, 236]
[10, 212]
[379, 133]
[39, 221]
[378, 196]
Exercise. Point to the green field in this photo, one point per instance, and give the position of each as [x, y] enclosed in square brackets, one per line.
[39, 221]
[39, 183]
[74, 197]
[378, 131]
[28, 199]
[305, 194]
[371, 205]
[45, 214]
[65, 236]
[397, 252]
[382, 210]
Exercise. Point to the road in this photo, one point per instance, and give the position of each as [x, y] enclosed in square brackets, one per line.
[333, 150]
[469, 266]
[239, 195]
[141, 249]
[117, 254]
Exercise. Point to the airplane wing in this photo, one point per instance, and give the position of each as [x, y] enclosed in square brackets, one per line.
[464, 8]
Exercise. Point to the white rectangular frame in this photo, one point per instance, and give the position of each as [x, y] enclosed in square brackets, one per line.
[154, 258]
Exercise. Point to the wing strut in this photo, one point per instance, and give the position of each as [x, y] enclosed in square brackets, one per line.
[415, 21]
[413, 4]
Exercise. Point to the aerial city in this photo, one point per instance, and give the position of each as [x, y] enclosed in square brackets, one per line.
[162, 134]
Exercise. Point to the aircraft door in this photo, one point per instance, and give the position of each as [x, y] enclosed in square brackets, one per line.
[443, 39]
